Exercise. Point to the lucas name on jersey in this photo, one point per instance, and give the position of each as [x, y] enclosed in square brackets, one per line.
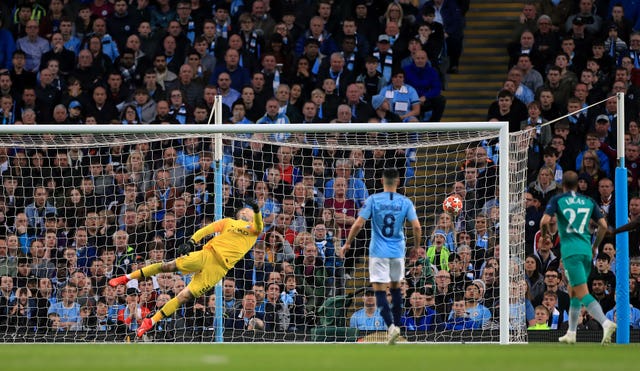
[574, 201]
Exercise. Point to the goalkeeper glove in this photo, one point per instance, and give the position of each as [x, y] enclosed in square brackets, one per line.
[187, 247]
[252, 204]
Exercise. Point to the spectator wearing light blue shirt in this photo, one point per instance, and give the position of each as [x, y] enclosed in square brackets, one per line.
[68, 309]
[368, 318]
[476, 311]
[403, 98]
[109, 46]
[238, 116]
[189, 156]
[273, 116]
[634, 316]
[522, 92]
[39, 208]
[71, 42]
[229, 95]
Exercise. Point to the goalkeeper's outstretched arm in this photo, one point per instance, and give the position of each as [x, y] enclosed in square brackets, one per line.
[257, 215]
[191, 244]
[257, 222]
[212, 228]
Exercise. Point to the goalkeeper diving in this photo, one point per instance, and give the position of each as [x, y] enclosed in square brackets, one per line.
[210, 264]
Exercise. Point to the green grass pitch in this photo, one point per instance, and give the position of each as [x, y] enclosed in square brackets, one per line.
[263, 357]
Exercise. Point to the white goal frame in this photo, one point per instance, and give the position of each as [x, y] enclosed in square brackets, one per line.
[502, 127]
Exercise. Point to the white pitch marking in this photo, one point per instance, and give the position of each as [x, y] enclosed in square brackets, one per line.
[215, 360]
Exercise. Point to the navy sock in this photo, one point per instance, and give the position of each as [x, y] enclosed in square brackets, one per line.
[396, 305]
[383, 304]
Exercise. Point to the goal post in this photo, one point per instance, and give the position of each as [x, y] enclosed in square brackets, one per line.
[622, 239]
[427, 151]
[216, 113]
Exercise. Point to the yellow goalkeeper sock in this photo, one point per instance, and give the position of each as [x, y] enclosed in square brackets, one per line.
[148, 271]
[167, 310]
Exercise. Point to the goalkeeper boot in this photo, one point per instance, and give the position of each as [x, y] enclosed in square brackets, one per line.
[392, 334]
[608, 328]
[147, 324]
[568, 338]
[122, 280]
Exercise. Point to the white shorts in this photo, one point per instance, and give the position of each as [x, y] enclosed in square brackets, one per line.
[385, 270]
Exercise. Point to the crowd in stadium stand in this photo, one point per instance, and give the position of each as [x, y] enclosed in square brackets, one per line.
[71, 218]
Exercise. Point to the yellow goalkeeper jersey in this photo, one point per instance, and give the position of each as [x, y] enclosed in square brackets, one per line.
[235, 238]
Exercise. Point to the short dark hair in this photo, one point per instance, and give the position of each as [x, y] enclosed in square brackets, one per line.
[249, 292]
[504, 93]
[390, 174]
[397, 72]
[24, 4]
[349, 37]
[555, 270]
[289, 276]
[556, 68]
[550, 151]
[238, 102]
[371, 59]
[603, 256]
[201, 105]
[429, 10]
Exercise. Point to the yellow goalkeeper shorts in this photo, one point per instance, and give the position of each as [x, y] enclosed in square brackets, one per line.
[207, 268]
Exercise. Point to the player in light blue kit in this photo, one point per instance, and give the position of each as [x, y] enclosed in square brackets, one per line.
[388, 212]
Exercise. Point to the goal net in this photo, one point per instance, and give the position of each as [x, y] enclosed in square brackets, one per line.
[80, 208]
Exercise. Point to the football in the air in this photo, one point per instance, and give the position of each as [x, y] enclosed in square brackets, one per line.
[452, 205]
